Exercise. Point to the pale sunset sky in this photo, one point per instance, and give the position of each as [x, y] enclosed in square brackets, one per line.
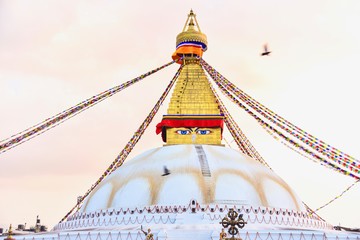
[55, 54]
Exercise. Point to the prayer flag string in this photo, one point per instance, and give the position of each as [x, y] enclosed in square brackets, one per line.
[229, 124]
[332, 153]
[119, 160]
[350, 170]
[240, 138]
[53, 121]
[335, 198]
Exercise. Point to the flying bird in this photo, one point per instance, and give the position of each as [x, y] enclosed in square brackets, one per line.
[166, 171]
[266, 52]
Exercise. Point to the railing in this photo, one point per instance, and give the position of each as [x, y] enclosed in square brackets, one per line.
[282, 218]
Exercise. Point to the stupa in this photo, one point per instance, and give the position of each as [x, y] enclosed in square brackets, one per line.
[183, 189]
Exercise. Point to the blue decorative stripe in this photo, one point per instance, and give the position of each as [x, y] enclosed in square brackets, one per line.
[193, 43]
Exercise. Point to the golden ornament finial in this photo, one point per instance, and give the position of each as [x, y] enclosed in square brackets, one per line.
[10, 232]
[191, 41]
[233, 221]
[191, 23]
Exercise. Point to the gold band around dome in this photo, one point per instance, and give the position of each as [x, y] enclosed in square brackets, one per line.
[191, 36]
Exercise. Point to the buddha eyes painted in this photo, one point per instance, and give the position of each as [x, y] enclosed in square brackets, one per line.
[203, 132]
[190, 131]
[183, 132]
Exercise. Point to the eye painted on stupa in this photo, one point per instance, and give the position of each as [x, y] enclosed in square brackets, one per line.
[183, 132]
[203, 132]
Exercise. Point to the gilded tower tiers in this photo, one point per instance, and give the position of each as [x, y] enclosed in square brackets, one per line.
[193, 116]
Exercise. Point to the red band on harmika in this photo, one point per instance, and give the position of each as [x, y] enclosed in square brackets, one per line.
[176, 123]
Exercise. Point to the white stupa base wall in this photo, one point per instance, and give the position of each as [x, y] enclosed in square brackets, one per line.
[192, 216]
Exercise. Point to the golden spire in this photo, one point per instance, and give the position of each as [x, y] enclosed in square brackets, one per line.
[192, 93]
[192, 18]
[191, 41]
[193, 116]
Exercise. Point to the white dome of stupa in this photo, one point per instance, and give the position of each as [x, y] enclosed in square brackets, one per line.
[205, 173]
[191, 187]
